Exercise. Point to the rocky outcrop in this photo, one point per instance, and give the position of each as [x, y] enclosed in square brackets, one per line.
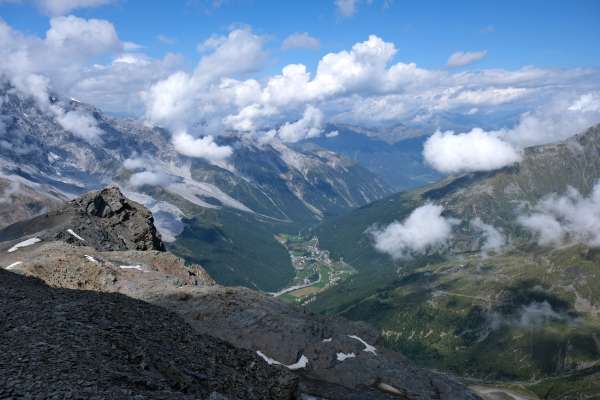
[58, 344]
[105, 220]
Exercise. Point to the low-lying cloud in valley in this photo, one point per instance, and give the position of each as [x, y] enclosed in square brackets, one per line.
[567, 218]
[424, 229]
[493, 239]
[476, 150]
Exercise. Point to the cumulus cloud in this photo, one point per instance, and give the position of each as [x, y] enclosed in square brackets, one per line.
[467, 152]
[493, 239]
[241, 51]
[300, 41]
[80, 36]
[480, 150]
[151, 178]
[569, 218]
[205, 147]
[424, 229]
[462, 58]
[81, 124]
[309, 126]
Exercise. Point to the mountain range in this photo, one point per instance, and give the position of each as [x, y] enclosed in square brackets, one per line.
[223, 216]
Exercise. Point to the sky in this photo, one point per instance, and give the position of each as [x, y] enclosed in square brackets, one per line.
[508, 74]
[514, 33]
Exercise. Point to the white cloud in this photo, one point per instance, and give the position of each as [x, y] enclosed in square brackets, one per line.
[164, 39]
[493, 238]
[589, 102]
[131, 46]
[309, 126]
[135, 163]
[300, 41]
[476, 150]
[151, 178]
[62, 7]
[82, 37]
[204, 147]
[462, 58]
[240, 52]
[569, 218]
[480, 150]
[80, 123]
[424, 229]
[346, 8]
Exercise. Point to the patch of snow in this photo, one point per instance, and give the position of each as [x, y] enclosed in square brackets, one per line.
[327, 340]
[301, 363]
[344, 356]
[194, 192]
[13, 265]
[138, 267]
[92, 259]
[368, 348]
[24, 243]
[76, 236]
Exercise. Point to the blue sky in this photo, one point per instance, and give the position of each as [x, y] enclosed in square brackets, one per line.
[514, 33]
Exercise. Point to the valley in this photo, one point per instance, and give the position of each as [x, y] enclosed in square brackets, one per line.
[315, 270]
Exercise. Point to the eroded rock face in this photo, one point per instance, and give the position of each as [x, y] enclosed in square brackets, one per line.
[105, 220]
[58, 343]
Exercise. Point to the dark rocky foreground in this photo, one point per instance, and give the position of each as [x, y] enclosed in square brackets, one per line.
[60, 343]
[196, 340]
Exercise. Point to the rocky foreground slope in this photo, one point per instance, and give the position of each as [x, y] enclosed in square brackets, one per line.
[106, 243]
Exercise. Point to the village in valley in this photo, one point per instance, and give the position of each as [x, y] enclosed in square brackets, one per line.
[315, 270]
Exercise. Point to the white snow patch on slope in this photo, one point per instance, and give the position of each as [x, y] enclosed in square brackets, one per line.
[90, 258]
[138, 267]
[24, 243]
[13, 265]
[76, 236]
[327, 340]
[368, 348]
[301, 363]
[194, 192]
[344, 356]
